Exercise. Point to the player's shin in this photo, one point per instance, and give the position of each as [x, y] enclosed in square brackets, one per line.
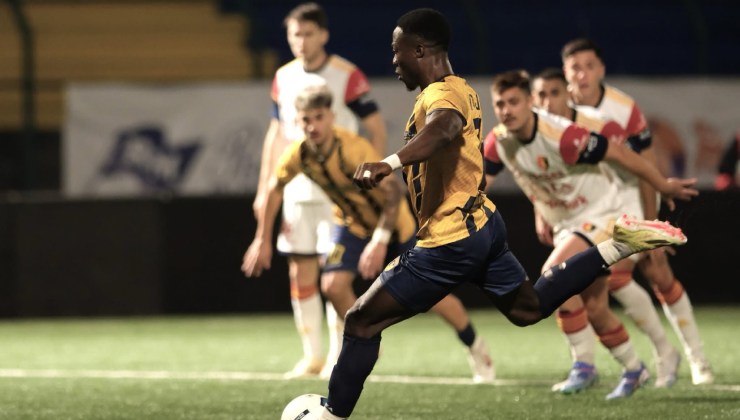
[569, 278]
[356, 361]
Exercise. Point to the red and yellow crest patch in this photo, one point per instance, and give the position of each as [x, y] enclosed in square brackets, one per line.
[543, 163]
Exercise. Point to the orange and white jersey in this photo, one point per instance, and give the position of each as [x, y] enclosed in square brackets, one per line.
[349, 87]
[557, 168]
[621, 108]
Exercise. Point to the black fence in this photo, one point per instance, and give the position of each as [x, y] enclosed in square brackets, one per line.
[182, 255]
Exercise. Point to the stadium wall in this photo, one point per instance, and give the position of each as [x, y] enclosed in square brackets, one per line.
[108, 257]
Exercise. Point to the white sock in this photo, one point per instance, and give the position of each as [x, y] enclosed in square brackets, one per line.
[639, 307]
[626, 356]
[307, 314]
[582, 345]
[681, 316]
[612, 251]
[336, 333]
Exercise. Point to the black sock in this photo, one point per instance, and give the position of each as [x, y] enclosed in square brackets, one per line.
[559, 283]
[467, 335]
[356, 361]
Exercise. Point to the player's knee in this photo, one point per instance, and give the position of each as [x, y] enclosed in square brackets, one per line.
[525, 318]
[355, 325]
[330, 289]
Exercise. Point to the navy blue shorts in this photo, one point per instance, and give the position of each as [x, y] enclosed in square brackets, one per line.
[421, 277]
[347, 248]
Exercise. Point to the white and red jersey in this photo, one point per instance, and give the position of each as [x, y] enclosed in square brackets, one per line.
[348, 85]
[619, 107]
[557, 169]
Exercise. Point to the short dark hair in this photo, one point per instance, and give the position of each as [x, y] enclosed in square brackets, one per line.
[551, 73]
[510, 79]
[429, 24]
[313, 97]
[311, 12]
[581, 44]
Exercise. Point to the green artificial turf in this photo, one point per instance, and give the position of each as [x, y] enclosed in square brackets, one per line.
[209, 368]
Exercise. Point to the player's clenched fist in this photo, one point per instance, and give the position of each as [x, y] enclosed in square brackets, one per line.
[369, 174]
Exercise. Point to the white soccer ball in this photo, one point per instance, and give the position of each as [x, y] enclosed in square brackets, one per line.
[304, 407]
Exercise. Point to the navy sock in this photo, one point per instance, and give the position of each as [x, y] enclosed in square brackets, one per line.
[467, 335]
[356, 361]
[559, 283]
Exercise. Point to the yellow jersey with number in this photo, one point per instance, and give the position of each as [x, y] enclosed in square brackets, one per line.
[355, 208]
[445, 190]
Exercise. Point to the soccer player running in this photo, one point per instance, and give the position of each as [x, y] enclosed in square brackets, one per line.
[461, 236]
[555, 162]
[370, 227]
[584, 70]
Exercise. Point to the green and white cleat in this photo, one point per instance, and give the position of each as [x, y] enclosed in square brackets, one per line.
[643, 235]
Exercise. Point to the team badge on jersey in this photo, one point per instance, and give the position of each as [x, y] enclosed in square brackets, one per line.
[543, 163]
[588, 227]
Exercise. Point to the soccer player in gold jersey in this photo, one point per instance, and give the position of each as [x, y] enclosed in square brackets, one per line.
[461, 236]
[370, 227]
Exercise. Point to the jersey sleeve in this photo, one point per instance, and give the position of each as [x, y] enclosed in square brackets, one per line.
[636, 122]
[639, 136]
[442, 98]
[357, 95]
[578, 145]
[288, 165]
[491, 160]
[357, 86]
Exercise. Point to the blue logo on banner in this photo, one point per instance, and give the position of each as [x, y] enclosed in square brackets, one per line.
[145, 153]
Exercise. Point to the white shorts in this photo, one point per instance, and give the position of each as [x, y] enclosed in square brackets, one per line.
[306, 228]
[593, 231]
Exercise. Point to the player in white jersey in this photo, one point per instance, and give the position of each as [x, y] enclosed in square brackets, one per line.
[584, 70]
[549, 91]
[555, 162]
[307, 212]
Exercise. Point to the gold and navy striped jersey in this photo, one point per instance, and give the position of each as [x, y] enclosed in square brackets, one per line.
[355, 208]
[445, 189]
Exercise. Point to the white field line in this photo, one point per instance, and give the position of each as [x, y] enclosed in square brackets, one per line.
[239, 376]
[266, 376]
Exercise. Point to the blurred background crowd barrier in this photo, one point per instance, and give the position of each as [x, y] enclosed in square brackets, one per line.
[131, 130]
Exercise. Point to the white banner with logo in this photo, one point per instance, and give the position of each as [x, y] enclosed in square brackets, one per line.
[187, 139]
[196, 139]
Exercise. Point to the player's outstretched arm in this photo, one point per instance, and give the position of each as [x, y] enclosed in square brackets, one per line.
[259, 254]
[671, 188]
[442, 127]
